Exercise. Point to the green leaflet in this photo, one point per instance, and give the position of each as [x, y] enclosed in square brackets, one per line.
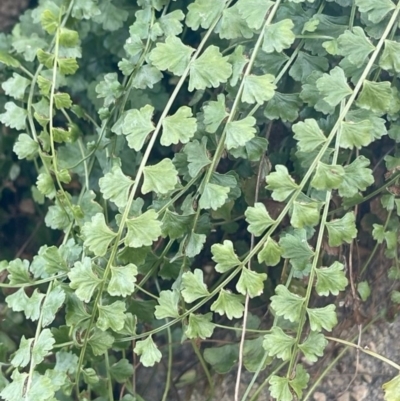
[148, 352]
[203, 13]
[278, 36]
[209, 70]
[355, 46]
[258, 89]
[172, 55]
[179, 127]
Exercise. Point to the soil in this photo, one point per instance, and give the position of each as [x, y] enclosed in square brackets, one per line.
[10, 10]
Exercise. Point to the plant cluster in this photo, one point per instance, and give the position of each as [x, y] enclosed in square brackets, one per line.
[197, 157]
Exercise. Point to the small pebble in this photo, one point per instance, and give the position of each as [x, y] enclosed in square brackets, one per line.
[344, 397]
[319, 396]
[360, 392]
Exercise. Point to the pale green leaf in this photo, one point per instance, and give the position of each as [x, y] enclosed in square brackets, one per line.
[280, 183]
[239, 132]
[31, 306]
[100, 341]
[45, 185]
[364, 290]
[172, 55]
[209, 70]
[175, 225]
[18, 272]
[375, 96]
[295, 247]
[170, 23]
[83, 279]
[390, 58]
[322, 318]
[342, 230]
[97, 235]
[203, 13]
[310, 94]
[308, 67]
[392, 389]
[122, 371]
[110, 89]
[270, 254]
[238, 60]
[258, 218]
[195, 244]
[16, 388]
[355, 46]
[284, 106]
[179, 127]
[357, 177]
[287, 304]
[42, 346]
[52, 303]
[376, 10]
[193, 286]
[278, 343]
[148, 352]
[305, 214]
[278, 36]
[228, 304]
[279, 388]
[146, 77]
[251, 283]
[23, 355]
[200, 326]
[122, 281]
[49, 21]
[225, 257]
[213, 196]
[254, 11]
[308, 135]
[15, 86]
[313, 347]
[331, 280]
[8, 60]
[111, 316]
[197, 156]
[300, 381]
[214, 113]
[167, 305]
[25, 147]
[333, 86]
[258, 88]
[110, 17]
[115, 186]
[62, 100]
[14, 116]
[328, 176]
[160, 178]
[137, 125]
[232, 25]
[143, 229]
[356, 134]
[69, 65]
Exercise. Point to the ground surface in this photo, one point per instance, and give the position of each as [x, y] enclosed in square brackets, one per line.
[10, 11]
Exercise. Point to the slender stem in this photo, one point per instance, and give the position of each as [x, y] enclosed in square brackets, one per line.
[205, 368]
[109, 378]
[366, 351]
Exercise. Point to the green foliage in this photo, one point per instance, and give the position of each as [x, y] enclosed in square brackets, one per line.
[197, 158]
